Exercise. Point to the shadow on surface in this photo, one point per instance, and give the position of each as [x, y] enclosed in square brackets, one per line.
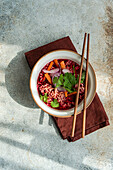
[48, 145]
[41, 117]
[18, 128]
[50, 122]
[17, 76]
[12, 165]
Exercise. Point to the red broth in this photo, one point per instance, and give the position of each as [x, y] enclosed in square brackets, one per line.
[43, 86]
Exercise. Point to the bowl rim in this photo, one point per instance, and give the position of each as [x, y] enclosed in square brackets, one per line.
[48, 106]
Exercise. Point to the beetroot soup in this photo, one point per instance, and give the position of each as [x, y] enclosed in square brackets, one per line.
[58, 82]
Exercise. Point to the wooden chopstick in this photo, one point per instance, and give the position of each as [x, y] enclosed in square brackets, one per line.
[86, 82]
[77, 96]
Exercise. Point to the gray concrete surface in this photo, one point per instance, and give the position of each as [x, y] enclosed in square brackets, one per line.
[29, 139]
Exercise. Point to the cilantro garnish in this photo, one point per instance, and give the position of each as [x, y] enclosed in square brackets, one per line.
[70, 77]
[74, 70]
[82, 77]
[58, 81]
[44, 98]
[70, 91]
[55, 103]
[55, 80]
[41, 97]
[68, 81]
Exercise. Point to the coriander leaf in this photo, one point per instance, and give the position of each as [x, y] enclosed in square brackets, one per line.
[82, 81]
[70, 91]
[76, 81]
[70, 77]
[60, 81]
[74, 70]
[74, 90]
[55, 80]
[66, 76]
[61, 78]
[77, 78]
[67, 84]
[55, 103]
[45, 97]
[82, 77]
[41, 97]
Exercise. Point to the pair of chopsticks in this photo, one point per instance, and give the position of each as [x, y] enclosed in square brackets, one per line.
[86, 81]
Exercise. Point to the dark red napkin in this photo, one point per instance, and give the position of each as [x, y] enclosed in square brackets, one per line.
[96, 117]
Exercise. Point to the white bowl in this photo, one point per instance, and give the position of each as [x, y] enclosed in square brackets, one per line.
[61, 54]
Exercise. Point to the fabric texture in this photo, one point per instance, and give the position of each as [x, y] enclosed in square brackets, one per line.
[96, 116]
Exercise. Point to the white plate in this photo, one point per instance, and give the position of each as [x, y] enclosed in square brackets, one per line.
[61, 54]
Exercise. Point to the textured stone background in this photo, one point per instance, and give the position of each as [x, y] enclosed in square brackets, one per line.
[28, 137]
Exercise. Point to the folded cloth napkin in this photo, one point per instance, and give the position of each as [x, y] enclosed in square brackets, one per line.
[96, 117]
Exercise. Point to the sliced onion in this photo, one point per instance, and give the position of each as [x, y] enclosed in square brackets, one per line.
[51, 71]
[55, 74]
[61, 89]
[66, 71]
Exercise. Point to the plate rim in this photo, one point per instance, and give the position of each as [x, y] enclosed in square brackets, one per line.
[32, 73]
